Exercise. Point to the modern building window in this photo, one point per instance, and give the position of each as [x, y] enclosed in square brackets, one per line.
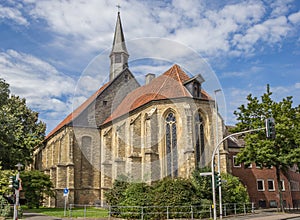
[171, 145]
[294, 186]
[271, 186]
[282, 185]
[235, 164]
[249, 166]
[273, 204]
[260, 185]
[199, 138]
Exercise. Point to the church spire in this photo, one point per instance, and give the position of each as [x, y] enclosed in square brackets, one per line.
[119, 54]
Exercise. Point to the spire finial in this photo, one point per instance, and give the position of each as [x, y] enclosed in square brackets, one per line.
[118, 6]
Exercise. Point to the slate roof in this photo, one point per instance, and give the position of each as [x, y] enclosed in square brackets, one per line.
[167, 86]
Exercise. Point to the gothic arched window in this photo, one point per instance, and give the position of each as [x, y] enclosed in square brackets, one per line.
[199, 138]
[171, 146]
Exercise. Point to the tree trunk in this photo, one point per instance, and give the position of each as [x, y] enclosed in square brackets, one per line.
[279, 187]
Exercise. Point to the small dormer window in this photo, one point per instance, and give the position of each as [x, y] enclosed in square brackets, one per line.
[196, 90]
[126, 77]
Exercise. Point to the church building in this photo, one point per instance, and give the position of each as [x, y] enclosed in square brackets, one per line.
[166, 127]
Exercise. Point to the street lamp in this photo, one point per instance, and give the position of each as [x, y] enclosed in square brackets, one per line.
[218, 152]
[17, 192]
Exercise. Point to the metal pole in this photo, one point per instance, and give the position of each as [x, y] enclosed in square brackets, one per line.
[65, 206]
[218, 153]
[17, 195]
[213, 163]
[17, 192]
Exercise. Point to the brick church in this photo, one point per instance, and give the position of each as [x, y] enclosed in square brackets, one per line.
[146, 132]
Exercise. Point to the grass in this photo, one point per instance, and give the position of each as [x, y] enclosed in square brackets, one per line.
[90, 212]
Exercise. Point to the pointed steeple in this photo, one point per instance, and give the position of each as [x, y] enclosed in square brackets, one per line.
[119, 54]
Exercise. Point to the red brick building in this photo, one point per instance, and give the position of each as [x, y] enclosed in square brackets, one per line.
[262, 184]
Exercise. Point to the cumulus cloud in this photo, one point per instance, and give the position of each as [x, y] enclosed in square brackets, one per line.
[12, 14]
[295, 17]
[80, 29]
[46, 90]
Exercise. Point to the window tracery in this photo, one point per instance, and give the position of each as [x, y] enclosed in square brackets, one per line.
[171, 145]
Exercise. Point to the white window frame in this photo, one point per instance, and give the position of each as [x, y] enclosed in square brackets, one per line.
[273, 183]
[263, 185]
[282, 185]
[233, 161]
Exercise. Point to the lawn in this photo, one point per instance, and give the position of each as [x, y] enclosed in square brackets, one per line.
[91, 212]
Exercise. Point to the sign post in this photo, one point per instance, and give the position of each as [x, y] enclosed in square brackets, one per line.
[66, 193]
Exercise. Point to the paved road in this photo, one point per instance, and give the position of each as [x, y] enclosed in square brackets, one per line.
[267, 216]
[38, 216]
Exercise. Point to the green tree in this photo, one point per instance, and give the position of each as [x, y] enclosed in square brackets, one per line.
[202, 184]
[116, 194]
[174, 192]
[281, 152]
[20, 129]
[233, 191]
[4, 181]
[36, 186]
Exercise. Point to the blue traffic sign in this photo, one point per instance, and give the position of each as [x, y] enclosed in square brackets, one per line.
[66, 191]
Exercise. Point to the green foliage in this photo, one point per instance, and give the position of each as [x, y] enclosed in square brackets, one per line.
[282, 152]
[4, 182]
[137, 194]
[131, 200]
[116, 194]
[202, 184]
[20, 129]
[233, 191]
[36, 185]
[5, 210]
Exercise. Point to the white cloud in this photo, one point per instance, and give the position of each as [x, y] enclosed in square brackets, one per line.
[39, 82]
[295, 17]
[82, 28]
[230, 29]
[270, 31]
[297, 85]
[13, 14]
[280, 7]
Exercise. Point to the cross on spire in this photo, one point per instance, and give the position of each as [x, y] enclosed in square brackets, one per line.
[118, 6]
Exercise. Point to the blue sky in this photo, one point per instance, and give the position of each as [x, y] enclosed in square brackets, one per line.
[54, 53]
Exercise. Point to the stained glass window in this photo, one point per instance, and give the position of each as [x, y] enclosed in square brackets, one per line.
[199, 138]
[171, 146]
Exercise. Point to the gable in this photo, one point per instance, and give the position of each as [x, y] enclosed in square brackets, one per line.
[99, 106]
[169, 85]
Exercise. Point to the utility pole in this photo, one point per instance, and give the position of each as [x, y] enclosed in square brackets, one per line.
[17, 192]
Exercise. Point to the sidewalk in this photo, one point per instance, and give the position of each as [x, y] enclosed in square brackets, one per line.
[266, 216]
[38, 216]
